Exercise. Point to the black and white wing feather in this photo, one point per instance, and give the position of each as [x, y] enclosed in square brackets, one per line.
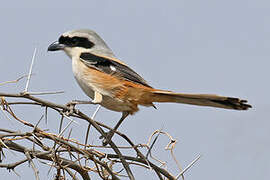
[109, 66]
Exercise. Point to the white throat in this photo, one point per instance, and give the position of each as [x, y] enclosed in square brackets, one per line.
[74, 52]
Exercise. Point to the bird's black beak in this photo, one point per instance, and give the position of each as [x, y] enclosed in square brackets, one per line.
[56, 46]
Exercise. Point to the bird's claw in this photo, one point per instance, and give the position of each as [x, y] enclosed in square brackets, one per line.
[71, 107]
[107, 138]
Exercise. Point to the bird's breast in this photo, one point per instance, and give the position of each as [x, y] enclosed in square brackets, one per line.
[85, 82]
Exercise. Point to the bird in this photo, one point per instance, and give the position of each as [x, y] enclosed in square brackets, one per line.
[114, 85]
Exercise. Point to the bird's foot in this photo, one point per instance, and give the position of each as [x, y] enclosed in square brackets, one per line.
[71, 107]
[107, 138]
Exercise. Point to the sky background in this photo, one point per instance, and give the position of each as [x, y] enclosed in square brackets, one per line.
[192, 46]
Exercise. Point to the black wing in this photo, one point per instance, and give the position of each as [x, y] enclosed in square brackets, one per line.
[112, 67]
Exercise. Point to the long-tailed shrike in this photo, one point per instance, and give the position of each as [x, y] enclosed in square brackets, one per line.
[114, 85]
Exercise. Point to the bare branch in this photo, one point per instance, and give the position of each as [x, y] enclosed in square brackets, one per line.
[45, 93]
[49, 157]
[89, 125]
[30, 71]
[71, 121]
[71, 174]
[32, 164]
[13, 81]
[191, 164]
[12, 166]
[77, 152]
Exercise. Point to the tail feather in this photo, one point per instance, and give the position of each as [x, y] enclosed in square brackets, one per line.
[200, 99]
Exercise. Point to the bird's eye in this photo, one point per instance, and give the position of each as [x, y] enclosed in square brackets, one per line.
[62, 40]
[69, 41]
[74, 41]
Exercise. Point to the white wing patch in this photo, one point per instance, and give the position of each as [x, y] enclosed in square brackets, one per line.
[112, 68]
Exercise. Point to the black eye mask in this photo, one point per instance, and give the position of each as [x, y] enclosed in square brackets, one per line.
[76, 42]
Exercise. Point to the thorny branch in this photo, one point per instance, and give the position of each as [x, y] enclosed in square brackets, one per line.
[88, 152]
[68, 156]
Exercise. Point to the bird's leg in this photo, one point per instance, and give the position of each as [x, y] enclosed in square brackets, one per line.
[109, 135]
[71, 105]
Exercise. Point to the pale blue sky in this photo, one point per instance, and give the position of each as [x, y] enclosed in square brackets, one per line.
[208, 46]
